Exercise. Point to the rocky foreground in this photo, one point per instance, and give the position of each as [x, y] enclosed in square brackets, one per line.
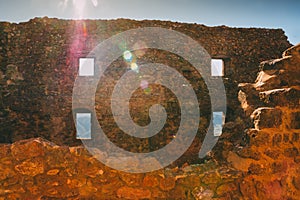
[37, 169]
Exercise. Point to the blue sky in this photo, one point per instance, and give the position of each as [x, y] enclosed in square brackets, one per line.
[234, 13]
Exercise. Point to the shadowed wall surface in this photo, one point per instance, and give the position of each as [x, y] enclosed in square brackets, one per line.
[40, 61]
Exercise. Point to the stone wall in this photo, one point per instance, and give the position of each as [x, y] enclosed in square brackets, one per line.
[271, 156]
[265, 167]
[35, 96]
[39, 63]
[48, 171]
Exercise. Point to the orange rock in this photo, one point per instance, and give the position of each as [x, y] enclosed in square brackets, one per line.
[53, 172]
[167, 183]
[133, 193]
[31, 167]
[150, 181]
[248, 190]
[239, 163]
[132, 179]
[226, 188]
[32, 147]
[76, 183]
[87, 190]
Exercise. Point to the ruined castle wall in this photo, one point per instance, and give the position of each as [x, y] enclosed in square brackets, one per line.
[39, 63]
[267, 167]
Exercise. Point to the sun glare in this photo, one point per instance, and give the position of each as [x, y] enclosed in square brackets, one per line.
[78, 6]
[95, 2]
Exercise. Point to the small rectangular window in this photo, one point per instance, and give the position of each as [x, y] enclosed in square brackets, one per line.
[86, 66]
[217, 67]
[218, 122]
[83, 125]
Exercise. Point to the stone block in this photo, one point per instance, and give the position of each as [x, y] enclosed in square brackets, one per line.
[167, 184]
[292, 51]
[31, 167]
[277, 139]
[295, 120]
[267, 117]
[291, 152]
[32, 147]
[133, 193]
[267, 81]
[288, 97]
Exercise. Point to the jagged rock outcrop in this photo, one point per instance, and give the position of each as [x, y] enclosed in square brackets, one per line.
[271, 158]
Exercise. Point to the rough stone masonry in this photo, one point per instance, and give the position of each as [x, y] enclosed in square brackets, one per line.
[37, 73]
[266, 167]
[39, 63]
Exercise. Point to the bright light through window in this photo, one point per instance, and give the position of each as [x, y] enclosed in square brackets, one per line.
[217, 67]
[86, 67]
[83, 125]
[218, 122]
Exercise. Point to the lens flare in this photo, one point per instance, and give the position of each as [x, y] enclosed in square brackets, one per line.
[84, 30]
[78, 6]
[144, 84]
[134, 67]
[127, 55]
[147, 91]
